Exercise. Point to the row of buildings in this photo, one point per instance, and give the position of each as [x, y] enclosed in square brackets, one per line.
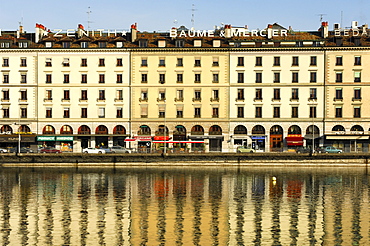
[274, 89]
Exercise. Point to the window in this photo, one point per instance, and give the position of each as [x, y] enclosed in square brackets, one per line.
[258, 94]
[215, 112]
[162, 95]
[215, 62]
[294, 112]
[162, 78]
[240, 61]
[357, 76]
[83, 94]
[5, 112]
[119, 94]
[102, 44]
[240, 77]
[84, 45]
[338, 77]
[197, 95]
[5, 62]
[338, 93]
[23, 78]
[23, 95]
[6, 95]
[276, 61]
[119, 62]
[83, 112]
[23, 112]
[180, 43]
[313, 93]
[6, 78]
[357, 93]
[197, 78]
[276, 94]
[66, 79]
[179, 112]
[101, 78]
[313, 61]
[143, 43]
[49, 95]
[215, 78]
[119, 78]
[144, 62]
[101, 95]
[65, 62]
[66, 95]
[179, 95]
[144, 78]
[357, 61]
[83, 78]
[258, 77]
[295, 93]
[339, 61]
[101, 112]
[162, 62]
[276, 77]
[215, 95]
[180, 78]
[23, 62]
[240, 94]
[101, 62]
[276, 112]
[161, 111]
[313, 112]
[258, 112]
[197, 113]
[313, 77]
[119, 113]
[240, 112]
[83, 62]
[295, 61]
[197, 62]
[66, 113]
[48, 79]
[338, 112]
[258, 61]
[294, 77]
[179, 62]
[357, 112]
[48, 62]
[66, 45]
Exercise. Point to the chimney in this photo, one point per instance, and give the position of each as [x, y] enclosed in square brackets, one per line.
[227, 31]
[269, 31]
[21, 29]
[324, 29]
[133, 32]
[81, 31]
[40, 32]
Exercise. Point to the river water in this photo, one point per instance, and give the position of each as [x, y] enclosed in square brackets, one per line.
[184, 206]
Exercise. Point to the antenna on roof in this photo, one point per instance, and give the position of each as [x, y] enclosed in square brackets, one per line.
[88, 18]
[192, 16]
[321, 15]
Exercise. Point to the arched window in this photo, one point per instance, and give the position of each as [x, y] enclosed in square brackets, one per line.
[242, 130]
[258, 129]
[338, 128]
[357, 128]
[294, 130]
[215, 130]
[6, 129]
[179, 130]
[315, 131]
[66, 129]
[119, 130]
[276, 130]
[84, 130]
[101, 130]
[144, 130]
[48, 130]
[197, 130]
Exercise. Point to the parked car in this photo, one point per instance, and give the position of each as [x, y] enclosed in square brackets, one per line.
[23, 150]
[93, 151]
[247, 149]
[329, 149]
[50, 150]
[3, 150]
[303, 150]
[119, 149]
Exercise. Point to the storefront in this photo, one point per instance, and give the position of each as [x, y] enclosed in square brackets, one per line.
[144, 144]
[12, 140]
[294, 141]
[258, 143]
[348, 143]
[63, 143]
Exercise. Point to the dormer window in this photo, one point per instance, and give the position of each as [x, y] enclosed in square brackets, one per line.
[216, 43]
[143, 43]
[66, 45]
[4, 45]
[180, 43]
[48, 44]
[197, 43]
[119, 44]
[84, 45]
[161, 43]
[23, 45]
[102, 44]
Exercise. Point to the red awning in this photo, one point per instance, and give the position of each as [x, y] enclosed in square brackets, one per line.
[178, 141]
[294, 141]
[161, 138]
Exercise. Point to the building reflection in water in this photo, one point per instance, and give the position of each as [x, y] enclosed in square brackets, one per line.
[184, 206]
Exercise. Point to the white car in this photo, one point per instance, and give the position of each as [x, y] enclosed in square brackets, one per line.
[3, 150]
[93, 151]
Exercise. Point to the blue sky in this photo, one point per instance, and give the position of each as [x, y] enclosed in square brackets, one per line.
[161, 15]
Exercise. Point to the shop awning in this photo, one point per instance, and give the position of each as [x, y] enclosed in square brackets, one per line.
[342, 137]
[162, 138]
[294, 141]
[309, 136]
